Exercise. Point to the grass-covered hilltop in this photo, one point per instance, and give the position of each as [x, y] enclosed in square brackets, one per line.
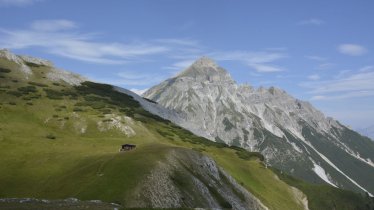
[60, 138]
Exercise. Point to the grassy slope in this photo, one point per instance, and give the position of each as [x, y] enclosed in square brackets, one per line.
[323, 197]
[88, 165]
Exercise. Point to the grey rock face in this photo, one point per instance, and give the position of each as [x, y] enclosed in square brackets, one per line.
[268, 120]
[54, 74]
[189, 179]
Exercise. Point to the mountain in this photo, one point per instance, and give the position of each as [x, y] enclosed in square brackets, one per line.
[59, 141]
[60, 135]
[292, 135]
[369, 132]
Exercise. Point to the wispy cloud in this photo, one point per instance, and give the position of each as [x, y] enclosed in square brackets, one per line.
[260, 61]
[185, 42]
[358, 84]
[131, 78]
[18, 3]
[352, 49]
[312, 21]
[314, 77]
[180, 65]
[324, 66]
[63, 37]
[53, 25]
[315, 58]
[56, 37]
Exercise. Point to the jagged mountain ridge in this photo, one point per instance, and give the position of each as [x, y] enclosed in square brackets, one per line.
[291, 133]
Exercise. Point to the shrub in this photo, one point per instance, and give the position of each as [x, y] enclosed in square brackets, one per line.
[51, 136]
[246, 155]
[32, 64]
[38, 84]
[28, 89]
[4, 70]
[53, 94]
[15, 93]
[77, 109]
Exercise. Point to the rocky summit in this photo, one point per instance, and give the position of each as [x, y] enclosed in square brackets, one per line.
[294, 136]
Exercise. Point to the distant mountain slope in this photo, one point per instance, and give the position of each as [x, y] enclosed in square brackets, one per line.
[369, 132]
[291, 133]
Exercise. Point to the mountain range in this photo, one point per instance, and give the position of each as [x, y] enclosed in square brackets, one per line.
[292, 135]
[60, 136]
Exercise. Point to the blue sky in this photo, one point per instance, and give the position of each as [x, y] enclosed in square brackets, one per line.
[320, 51]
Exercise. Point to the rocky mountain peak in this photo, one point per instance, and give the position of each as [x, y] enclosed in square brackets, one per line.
[205, 69]
[23, 59]
[205, 62]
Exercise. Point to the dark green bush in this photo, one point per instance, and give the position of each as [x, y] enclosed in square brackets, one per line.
[15, 93]
[246, 155]
[32, 64]
[28, 89]
[38, 84]
[51, 136]
[4, 70]
[77, 109]
[53, 94]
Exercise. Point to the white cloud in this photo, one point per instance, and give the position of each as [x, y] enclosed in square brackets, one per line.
[181, 65]
[62, 37]
[352, 49]
[314, 77]
[354, 94]
[260, 61]
[186, 42]
[315, 58]
[52, 25]
[18, 3]
[312, 21]
[131, 79]
[54, 36]
[138, 91]
[318, 97]
[324, 66]
[265, 68]
[358, 84]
